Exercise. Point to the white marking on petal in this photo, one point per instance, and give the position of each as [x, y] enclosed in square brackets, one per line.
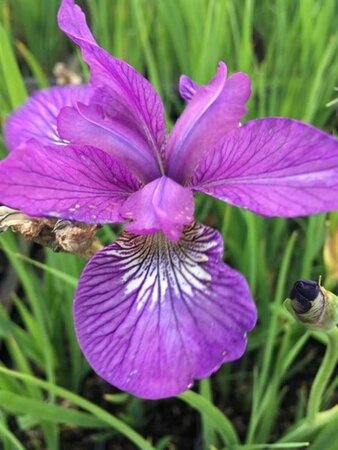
[153, 314]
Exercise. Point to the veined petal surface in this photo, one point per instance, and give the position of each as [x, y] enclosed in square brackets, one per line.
[76, 183]
[213, 110]
[130, 89]
[274, 167]
[37, 117]
[93, 125]
[187, 88]
[152, 315]
[162, 205]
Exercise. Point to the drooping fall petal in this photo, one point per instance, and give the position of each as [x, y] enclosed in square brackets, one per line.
[274, 167]
[213, 110]
[37, 117]
[153, 315]
[83, 184]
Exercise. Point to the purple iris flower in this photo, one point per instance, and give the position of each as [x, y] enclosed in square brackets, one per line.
[158, 308]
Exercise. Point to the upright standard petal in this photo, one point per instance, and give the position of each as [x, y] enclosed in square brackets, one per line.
[153, 315]
[92, 125]
[213, 110]
[162, 205]
[125, 84]
[76, 183]
[274, 167]
[37, 117]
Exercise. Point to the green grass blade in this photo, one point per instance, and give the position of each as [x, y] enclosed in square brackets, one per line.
[5, 433]
[15, 86]
[44, 411]
[221, 423]
[95, 410]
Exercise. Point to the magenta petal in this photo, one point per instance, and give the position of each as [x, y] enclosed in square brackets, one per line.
[162, 205]
[187, 88]
[214, 109]
[83, 184]
[274, 167]
[152, 315]
[37, 117]
[139, 99]
[90, 125]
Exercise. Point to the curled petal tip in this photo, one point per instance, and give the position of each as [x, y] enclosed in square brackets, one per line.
[72, 21]
[187, 88]
[222, 68]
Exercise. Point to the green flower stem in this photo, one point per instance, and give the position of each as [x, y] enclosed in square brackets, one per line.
[323, 375]
[305, 430]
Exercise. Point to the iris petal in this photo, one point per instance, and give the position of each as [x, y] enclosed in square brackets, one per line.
[37, 117]
[83, 184]
[274, 167]
[125, 85]
[162, 205]
[152, 315]
[213, 110]
[187, 88]
[91, 125]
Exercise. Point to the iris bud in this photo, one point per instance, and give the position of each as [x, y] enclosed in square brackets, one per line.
[312, 305]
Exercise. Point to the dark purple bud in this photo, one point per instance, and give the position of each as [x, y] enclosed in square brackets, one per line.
[303, 293]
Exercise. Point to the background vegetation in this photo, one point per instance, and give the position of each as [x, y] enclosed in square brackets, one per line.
[49, 398]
